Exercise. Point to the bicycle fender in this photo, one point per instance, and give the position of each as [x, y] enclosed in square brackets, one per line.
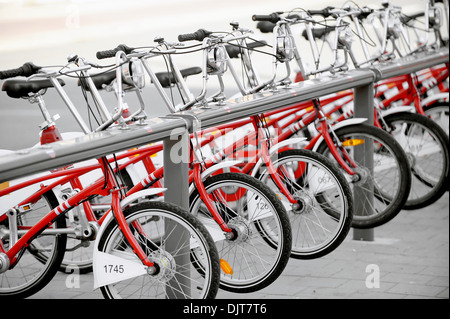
[275, 148]
[435, 98]
[213, 169]
[344, 123]
[127, 201]
[398, 109]
[100, 259]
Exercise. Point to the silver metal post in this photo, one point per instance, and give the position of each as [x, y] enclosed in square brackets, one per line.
[363, 106]
[176, 180]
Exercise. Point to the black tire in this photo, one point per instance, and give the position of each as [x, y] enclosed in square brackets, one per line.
[269, 236]
[30, 275]
[439, 112]
[376, 204]
[156, 215]
[426, 145]
[326, 209]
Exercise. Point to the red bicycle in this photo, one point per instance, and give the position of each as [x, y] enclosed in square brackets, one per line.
[144, 243]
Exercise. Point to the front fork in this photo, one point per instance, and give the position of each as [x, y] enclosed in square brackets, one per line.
[274, 172]
[342, 157]
[117, 193]
[207, 199]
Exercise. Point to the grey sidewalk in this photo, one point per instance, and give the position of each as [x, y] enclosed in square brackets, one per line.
[410, 254]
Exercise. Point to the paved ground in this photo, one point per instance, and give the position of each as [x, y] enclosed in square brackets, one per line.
[410, 254]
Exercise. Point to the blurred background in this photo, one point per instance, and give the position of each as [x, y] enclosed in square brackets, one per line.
[45, 32]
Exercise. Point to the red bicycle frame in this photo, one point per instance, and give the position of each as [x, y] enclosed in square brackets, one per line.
[103, 187]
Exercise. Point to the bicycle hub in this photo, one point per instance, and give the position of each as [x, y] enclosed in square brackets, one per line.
[240, 229]
[165, 266]
[303, 205]
[4, 262]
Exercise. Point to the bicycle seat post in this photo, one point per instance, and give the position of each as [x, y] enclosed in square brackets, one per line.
[48, 120]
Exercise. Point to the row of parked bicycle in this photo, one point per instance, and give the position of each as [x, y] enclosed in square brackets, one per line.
[263, 189]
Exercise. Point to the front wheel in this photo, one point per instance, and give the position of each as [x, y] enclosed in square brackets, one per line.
[439, 113]
[176, 242]
[322, 215]
[39, 261]
[426, 145]
[259, 248]
[383, 173]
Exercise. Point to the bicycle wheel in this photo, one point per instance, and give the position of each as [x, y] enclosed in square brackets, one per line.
[426, 145]
[322, 216]
[79, 252]
[438, 112]
[28, 276]
[260, 248]
[384, 179]
[176, 242]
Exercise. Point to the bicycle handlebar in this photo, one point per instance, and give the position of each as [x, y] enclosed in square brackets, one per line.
[273, 17]
[25, 70]
[324, 12]
[112, 53]
[365, 12]
[198, 35]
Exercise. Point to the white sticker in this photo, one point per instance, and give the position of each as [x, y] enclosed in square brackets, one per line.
[319, 180]
[258, 207]
[109, 269]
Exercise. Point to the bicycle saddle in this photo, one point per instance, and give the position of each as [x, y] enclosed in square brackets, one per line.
[410, 17]
[100, 79]
[318, 32]
[167, 78]
[234, 51]
[20, 88]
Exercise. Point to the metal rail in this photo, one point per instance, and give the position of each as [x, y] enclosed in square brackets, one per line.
[25, 162]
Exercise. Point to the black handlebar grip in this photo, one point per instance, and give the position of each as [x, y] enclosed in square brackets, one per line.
[365, 12]
[106, 54]
[198, 35]
[25, 70]
[273, 17]
[124, 48]
[324, 12]
[111, 53]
